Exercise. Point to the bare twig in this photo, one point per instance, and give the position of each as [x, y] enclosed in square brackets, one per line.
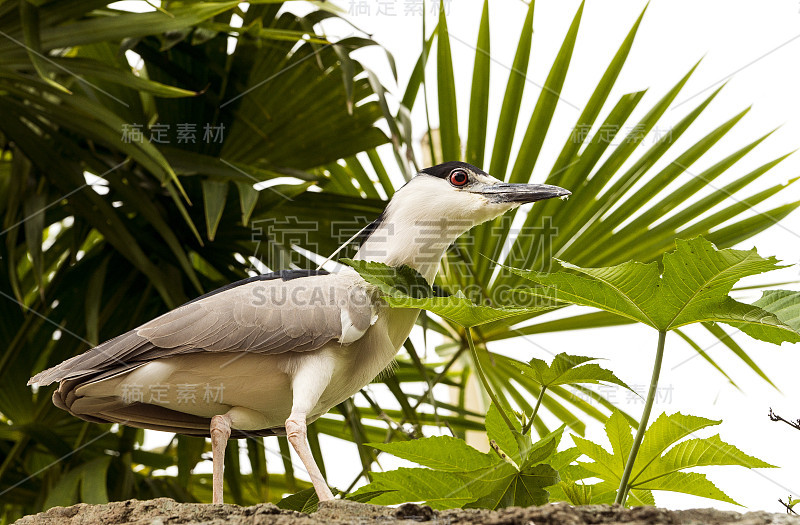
[775, 417]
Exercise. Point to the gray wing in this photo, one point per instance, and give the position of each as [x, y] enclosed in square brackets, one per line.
[263, 316]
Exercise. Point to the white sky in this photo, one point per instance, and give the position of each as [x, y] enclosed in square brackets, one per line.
[750, 44]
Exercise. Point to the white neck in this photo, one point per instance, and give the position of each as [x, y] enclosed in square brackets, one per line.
[418, 244]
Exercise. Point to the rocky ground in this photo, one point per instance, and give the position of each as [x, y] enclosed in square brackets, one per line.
[164, 511]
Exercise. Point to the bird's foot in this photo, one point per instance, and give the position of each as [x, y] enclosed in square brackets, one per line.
[296, 433]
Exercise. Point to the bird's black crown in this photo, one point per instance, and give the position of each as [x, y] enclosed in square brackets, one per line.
[444, 169]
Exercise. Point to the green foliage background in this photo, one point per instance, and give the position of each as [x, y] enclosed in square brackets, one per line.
[79, 266]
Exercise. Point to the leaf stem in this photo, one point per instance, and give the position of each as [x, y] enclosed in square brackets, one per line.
[485, 381]
[622, 493]
[529, 424]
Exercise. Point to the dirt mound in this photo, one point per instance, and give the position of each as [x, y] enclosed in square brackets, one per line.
[164, 511]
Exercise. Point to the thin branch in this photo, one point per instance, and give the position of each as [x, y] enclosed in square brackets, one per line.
[775, 417]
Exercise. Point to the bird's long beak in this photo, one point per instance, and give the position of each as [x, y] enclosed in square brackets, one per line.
[522, 193]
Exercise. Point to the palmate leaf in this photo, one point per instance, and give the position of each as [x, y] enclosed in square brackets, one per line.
[662, 459]
[665, 432]
[694, 288]
[569, 370]
[303, 501]
[443, 453]
[440, 490]
[505, 486]
[488, 480]
[700, 453]
[624, 290]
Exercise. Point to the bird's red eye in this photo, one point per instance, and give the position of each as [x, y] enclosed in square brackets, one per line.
[458, 177]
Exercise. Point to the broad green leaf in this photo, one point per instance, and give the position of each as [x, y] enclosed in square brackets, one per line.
[661, 458]
[688, 483]
[442, 453]
[440, 490]
[665, 432]
[394, 282]
[459, 309]
[563, 459]
[542, 450]
[364, 497]
[605, 465]
[404, 287]
[783, 304]
[624, 290]
[505, 486]
[498, 431]
[694, 288]
[698, 453]
[698, 277]
[618, 431]
[304, 501]
[568, 370]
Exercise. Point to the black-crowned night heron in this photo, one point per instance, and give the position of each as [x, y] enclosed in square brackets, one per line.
[271, 353]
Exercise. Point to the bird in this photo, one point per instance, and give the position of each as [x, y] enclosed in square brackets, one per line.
[274, 352]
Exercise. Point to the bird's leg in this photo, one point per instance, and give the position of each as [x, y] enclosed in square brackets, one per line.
[311, 377]
[220, 432]
[296, 432]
